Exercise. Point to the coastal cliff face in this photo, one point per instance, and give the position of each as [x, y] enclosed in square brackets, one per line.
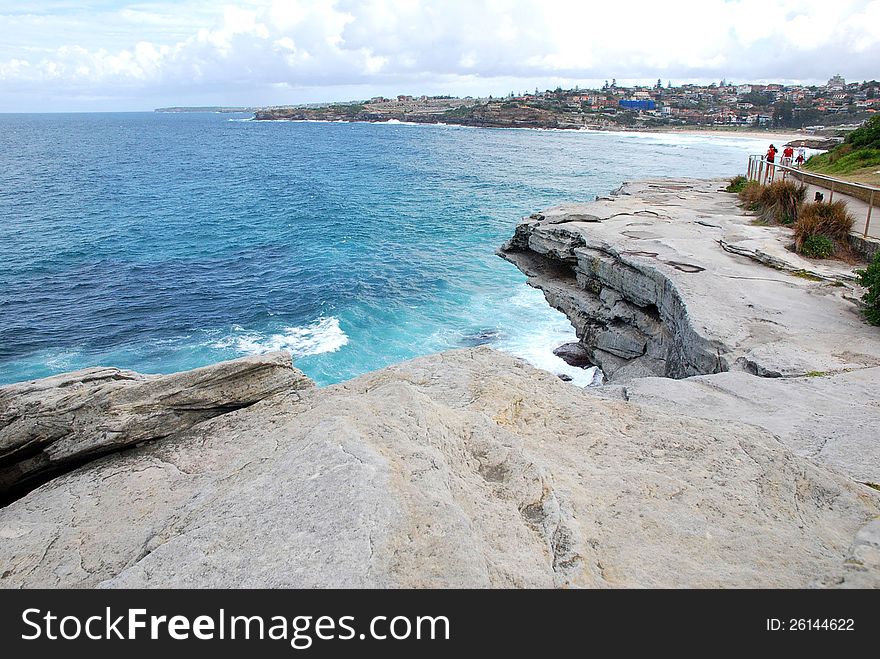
[669, 278]
[495, 115]
[467, 468]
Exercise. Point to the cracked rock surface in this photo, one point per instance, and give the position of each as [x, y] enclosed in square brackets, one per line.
[465, 468]
[670, 278]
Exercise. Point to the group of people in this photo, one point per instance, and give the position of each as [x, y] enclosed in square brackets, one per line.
[786, 161]
[787, 156]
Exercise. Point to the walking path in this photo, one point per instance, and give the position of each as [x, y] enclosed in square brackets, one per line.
[757, 171]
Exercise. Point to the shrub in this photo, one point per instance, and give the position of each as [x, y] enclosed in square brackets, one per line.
[867, 135]
[777, 203]
[870, 279]
[817, 247]
[750, 194]
[737, 183]
[831, 221]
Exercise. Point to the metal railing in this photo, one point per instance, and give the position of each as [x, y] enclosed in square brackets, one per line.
[764, 172]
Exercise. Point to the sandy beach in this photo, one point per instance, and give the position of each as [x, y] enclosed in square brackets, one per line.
[775, 135]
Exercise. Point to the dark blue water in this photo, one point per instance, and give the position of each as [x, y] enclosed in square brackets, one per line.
[161, 242]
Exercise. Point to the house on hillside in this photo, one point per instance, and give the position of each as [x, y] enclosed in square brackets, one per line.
[836, 83]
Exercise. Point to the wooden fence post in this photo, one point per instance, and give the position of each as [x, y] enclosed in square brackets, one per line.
[870, 206]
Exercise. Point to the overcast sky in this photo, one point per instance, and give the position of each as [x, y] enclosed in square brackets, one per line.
[117, 55]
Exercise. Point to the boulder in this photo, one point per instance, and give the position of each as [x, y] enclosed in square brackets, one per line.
[51, 425]
[573, 354]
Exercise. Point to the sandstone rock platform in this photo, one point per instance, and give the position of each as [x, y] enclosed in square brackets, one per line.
[51, 425]
[467, 468]
[735, 447]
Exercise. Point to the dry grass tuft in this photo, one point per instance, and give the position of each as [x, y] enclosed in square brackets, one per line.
[777, 203]
[829, 220]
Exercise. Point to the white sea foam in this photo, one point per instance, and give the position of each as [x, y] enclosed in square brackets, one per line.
[552, 330]
[398, 122]
[323, 335]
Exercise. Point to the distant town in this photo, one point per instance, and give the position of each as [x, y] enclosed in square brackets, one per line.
[838, 104]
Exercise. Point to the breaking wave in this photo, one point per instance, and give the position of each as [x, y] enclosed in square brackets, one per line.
[323, 335]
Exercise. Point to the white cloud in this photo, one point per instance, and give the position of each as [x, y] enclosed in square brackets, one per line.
[242, 52]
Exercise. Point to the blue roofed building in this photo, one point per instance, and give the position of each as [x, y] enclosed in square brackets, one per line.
[642, 104]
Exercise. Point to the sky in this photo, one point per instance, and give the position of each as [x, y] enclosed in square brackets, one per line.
[104, 55]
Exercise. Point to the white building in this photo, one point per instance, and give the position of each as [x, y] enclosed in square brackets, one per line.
[836, 83]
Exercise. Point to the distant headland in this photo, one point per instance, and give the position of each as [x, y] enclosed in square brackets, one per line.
[828, 109]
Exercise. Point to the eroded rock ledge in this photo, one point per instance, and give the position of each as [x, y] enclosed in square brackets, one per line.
[53, 425]
[669, 278]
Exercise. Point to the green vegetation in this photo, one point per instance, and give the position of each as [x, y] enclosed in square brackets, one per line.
[760, 99]
[347, 108]
[460, 112]
[817, 247]
[737, 183]
[803, 274]
[822, 229]
[860, 151]
[870, 279]
[816, 374]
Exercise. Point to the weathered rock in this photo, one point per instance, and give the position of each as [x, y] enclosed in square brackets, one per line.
[54, 424]
[670, 278]
[467, 468]
[573, 354]
[829, 418]
[863, 562]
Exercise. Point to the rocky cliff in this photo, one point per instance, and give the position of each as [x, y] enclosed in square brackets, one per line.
[669, 278]
[53, 425]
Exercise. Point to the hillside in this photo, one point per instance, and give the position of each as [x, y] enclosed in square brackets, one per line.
[857, 159]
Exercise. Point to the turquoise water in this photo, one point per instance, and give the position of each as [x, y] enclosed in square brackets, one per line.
[161, 242]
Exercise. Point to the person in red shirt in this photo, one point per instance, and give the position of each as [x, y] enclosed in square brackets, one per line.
[787, 155]
[770, 157]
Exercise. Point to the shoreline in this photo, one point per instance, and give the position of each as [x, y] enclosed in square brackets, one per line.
[772, 135]
[780, 135]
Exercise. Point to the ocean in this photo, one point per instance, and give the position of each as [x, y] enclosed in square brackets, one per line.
[163, 242]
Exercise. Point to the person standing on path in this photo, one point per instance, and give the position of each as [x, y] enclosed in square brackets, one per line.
[787, 155]
[770, 158]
